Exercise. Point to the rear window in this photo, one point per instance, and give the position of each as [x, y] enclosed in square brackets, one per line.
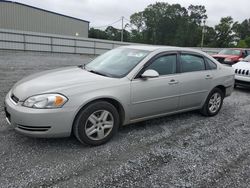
[211, 65]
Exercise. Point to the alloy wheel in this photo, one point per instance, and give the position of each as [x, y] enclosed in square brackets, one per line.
[215, 102]
[99, 125]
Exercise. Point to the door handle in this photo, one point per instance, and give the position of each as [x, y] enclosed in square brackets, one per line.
[172, 82]
[208, 77]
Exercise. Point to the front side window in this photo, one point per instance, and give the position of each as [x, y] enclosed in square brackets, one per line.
[117, 63]
[164, 65]
[191, 63]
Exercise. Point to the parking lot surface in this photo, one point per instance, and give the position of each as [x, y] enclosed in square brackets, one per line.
[184, 150]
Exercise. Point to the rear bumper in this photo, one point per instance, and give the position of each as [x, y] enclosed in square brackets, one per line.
[39, 122]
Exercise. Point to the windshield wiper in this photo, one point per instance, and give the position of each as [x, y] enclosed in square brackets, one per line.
[81, 66]
[99, 73]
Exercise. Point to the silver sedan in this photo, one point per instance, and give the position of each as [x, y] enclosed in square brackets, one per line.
[125, 85]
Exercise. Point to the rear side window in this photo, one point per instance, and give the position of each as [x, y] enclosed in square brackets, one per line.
[192, 63]
[164, 65]
[211, 65]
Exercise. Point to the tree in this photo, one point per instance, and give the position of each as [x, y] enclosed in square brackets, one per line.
[137, 20]
[197, 13]
[113, 33]
[97, 33]
[210, 37]
[224, 33]
[165, 24]
[137, 25]
[247, 41]
[242, 29]
[242, 44]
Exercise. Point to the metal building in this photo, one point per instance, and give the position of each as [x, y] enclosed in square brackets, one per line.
[18, 16]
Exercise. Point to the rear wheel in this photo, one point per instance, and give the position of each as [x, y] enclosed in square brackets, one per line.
[97, 123]
[213, 103]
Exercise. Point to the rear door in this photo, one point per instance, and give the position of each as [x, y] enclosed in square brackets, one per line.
[195, 80]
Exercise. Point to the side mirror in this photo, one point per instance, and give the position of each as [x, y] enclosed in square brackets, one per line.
[150, 73]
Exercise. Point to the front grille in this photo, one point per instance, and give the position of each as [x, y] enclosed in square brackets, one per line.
[14, 98]
[242, 72]
[32, 128]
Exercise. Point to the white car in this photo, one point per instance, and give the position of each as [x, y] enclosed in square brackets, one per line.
[242, 72]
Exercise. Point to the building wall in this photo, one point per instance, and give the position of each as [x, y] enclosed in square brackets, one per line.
[16, 16]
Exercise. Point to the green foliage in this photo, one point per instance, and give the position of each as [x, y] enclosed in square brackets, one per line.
[242, 44]
[210, 37]
[110, 33]
[247, 41]
[165, 24]
[224, 32]
[197, 13]
[97, 33]
[242, 29]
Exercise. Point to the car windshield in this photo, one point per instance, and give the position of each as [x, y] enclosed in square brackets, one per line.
[230, 52]
[116, 63]
[247, 58]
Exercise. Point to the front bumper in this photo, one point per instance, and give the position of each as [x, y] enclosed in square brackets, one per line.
[243, 81]
[39, 122]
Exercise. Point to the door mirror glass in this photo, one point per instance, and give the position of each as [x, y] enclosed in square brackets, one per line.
[150, 74]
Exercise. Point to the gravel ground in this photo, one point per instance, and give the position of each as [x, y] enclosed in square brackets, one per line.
[184, 150]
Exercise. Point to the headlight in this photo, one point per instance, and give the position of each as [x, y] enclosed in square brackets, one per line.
[45, 101]
[228, 60]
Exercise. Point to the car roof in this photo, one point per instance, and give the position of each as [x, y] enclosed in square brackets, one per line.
[237, 48]
[161, 48]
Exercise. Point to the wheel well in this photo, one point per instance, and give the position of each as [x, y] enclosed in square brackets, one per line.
[222, 88]
[114, 102]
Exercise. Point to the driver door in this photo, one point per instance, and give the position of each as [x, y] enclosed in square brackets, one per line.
[155, 96]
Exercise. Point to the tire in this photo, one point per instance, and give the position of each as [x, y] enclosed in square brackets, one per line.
[213, 103]
[96, 124]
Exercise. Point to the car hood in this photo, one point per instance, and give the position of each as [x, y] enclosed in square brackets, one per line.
[57, 80]
[225, 56]
[242, 65]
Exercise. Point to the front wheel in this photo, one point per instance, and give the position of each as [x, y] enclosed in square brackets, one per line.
[97, 123]
[213, 103]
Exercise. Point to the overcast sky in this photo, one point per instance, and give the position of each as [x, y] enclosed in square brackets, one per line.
[105, 12]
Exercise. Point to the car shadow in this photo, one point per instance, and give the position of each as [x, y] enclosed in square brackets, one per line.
[152, 123]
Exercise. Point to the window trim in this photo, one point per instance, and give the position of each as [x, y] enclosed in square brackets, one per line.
[149, 62]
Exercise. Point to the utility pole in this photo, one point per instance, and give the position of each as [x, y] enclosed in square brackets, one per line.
[203, 33]
[122, 30]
